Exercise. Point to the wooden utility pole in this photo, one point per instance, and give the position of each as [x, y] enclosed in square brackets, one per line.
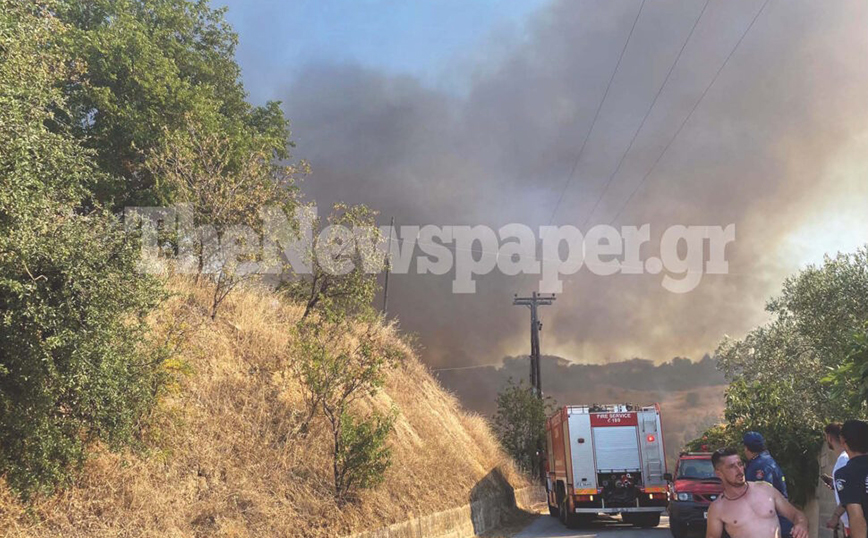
[388, 269]
[532, 302]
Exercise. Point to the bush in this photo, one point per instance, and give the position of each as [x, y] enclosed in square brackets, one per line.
[337, 363]
[520, 424]
[779, 374]
[361, 455]
[74, 364]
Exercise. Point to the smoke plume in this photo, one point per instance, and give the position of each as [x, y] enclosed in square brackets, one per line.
[776, 146]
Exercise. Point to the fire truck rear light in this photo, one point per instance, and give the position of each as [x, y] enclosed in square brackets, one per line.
[651, 438]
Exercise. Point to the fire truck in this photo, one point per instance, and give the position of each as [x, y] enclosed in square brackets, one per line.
[606, 459]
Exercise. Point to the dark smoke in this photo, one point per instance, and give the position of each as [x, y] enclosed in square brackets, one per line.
[771, 148]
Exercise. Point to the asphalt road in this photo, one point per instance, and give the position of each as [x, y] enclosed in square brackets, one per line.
[549, 527]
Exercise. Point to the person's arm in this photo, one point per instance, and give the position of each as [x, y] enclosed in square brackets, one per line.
[858, 527]
[784, 508]
[836, 516]
[780, 483]
[714, 527]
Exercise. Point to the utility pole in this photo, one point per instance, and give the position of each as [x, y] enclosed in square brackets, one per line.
[532, 302]
[388, 269]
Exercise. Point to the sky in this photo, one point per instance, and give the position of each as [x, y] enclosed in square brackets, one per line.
[493, 112]
[428, 40]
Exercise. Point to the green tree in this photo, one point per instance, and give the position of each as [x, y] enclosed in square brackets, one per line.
[75, 364]
[345, 257]
[779, 374]
[849, 381]
[151, 67]
[222, 183]
[520, 424]
[337, 362]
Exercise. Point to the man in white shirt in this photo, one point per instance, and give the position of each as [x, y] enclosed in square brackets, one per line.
[833, 439]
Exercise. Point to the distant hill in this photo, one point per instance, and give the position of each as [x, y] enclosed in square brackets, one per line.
[690, 393]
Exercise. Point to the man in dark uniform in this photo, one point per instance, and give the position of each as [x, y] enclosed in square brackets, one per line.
[762, 467]
[851, 481]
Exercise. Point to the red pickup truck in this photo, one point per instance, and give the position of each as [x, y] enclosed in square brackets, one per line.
[691, 491]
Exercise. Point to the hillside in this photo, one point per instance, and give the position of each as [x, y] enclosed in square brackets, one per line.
[217, 460]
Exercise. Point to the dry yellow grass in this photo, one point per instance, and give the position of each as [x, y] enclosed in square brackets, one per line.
[219, 463]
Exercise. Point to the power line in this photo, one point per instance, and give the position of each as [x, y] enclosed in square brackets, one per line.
[533, 302]
[596, 115]
[388, 270]
[489, 365]
[692, 110]
[645, 118]
[455, 248]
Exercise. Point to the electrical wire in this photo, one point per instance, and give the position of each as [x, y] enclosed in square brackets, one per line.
[645, 118]
[596, 115]
[692, 110]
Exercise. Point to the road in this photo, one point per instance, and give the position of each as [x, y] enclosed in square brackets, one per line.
[549, 527]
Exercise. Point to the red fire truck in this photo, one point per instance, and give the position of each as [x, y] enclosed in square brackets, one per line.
[606, 459]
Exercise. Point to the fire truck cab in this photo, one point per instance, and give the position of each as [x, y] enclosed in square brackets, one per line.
[606, 459]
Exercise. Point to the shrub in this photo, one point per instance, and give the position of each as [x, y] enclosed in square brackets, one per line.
[74, 364]
[520, 424]
[361, 456]
[338, 362]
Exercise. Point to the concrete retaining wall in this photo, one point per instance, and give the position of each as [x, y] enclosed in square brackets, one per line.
[464, 522]
[824, 496]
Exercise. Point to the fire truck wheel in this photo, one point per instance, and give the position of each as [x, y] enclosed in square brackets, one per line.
[553, 511]
[572, 521]
[562, 509]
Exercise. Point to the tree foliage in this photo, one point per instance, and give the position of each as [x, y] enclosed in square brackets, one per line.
[221, 184]
[713, 438]
[362, 456]
[344, 257]
[791, 376]
[849, 381]
[153, 67]
[338, 361]
[74, 366]
[520, 424]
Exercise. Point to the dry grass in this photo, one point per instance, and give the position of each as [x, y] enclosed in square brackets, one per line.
[219, 462]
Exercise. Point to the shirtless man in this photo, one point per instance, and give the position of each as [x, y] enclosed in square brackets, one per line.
[748, 509]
